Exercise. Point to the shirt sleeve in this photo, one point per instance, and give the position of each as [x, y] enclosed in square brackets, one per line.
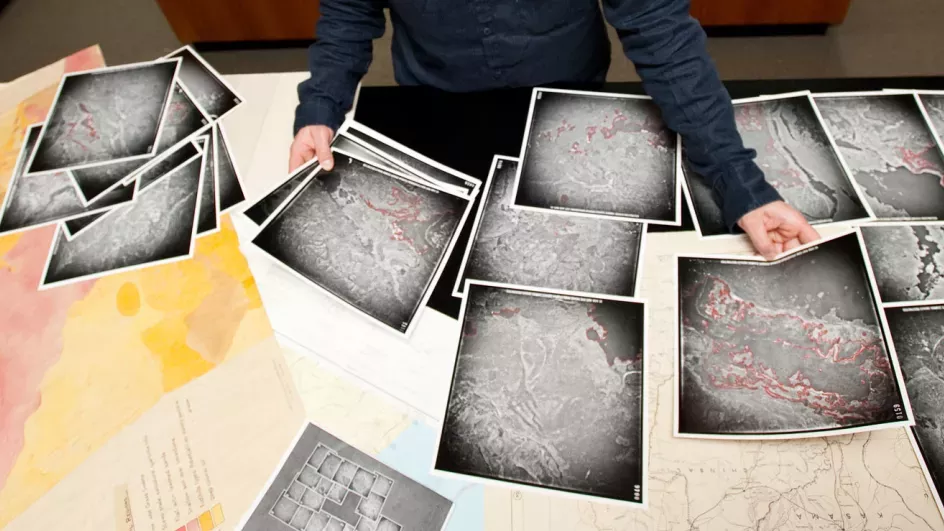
[338, 60]
[668, 48]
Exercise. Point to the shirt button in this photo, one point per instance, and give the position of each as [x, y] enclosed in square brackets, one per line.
[487, 31]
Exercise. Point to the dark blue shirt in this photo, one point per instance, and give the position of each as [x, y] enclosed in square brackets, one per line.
[474, 45]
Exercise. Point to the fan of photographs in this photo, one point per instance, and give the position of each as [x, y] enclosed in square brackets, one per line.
[132, 165]
[374, 232]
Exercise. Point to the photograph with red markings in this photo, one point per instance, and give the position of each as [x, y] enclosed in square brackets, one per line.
[790, 348]
[548, 391]
[105, 115]
[182, 121]
[548, 249]
[797, 158]
[918, 336]
[371, 239]
[890, 149]
[606, 155]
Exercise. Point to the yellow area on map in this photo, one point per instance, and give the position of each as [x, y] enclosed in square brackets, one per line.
[134, 337]
[217, 513]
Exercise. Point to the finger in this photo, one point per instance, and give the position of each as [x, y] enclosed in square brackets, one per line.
[808, 234]
[778, 246]
[791, 244]
[322, 145]
[760, 238]
[298, 155]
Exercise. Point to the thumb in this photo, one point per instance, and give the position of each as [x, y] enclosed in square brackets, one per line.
[761, 239]
[808, 234]
[321, 138]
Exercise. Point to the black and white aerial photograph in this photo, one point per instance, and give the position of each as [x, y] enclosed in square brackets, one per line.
[182, 120]
[603, 155]
[907, 260]
[918, 336]
[548, 392]
[158, 227]
[373, 240]
[326, 484]
[208, 217]
[410, 161]
[546, 249]
[934, 105]
[208, 88]
[105, 115]
[269, 203]
[346, 143]
[797, 158]
[228, 182]
[782, 349]
[36, 200]
[167, 161]
[891, 152]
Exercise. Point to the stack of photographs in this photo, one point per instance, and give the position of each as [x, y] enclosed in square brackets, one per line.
[324, 484]
[795, 347]
[799, 159]
[374, 232]
[131, 164]
[889, 145]
[549, 392]
[908, 262]
[598, 155]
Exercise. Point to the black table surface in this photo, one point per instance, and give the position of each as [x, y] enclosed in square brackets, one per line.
[465, 130]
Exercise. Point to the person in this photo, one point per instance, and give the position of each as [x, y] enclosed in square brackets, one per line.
[471, 45]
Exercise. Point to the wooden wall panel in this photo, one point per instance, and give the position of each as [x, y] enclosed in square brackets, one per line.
[241, 20]
[760, 12]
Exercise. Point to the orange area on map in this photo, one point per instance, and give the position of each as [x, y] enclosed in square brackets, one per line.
[128, 299]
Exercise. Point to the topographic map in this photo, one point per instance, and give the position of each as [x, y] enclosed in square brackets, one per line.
[918, 334]
[373, 240]
[547, 391]
[531, 248]
[607, 155]
[907, 260]
[797, 159]
[787, 347]
[891, 152]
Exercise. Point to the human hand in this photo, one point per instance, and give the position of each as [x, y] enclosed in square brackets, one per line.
[777, 227]
[311, 141]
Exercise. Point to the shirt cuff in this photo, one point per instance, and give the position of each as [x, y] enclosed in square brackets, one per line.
[743, 188]
[320, 111]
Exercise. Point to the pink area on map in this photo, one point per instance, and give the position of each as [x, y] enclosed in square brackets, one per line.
[31, 323]
[86, 59]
